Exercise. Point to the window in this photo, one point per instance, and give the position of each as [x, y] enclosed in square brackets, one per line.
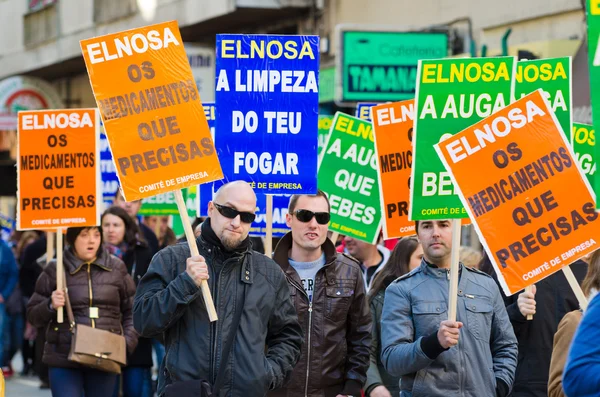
[110, 10]
[40, 24]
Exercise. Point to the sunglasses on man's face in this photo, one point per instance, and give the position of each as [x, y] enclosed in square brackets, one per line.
[231, 213]
[306, 216]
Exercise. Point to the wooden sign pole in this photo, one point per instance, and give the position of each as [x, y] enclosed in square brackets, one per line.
[59, 272]
[269, 231]
[334, 237]
[583, 301]
[191, 240]
[454, 270]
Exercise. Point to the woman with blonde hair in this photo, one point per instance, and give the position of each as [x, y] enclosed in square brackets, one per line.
[567, 327]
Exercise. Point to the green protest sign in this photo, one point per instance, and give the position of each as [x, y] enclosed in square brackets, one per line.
[584, 142]
[324, 126]
[161, 204]
[348, 175]
[593, 36]
[190, 196]
[165, 204]
[553, 76]
[452, 94]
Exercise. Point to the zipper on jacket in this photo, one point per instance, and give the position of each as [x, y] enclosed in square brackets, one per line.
[308, 351]
[214, 323]
[89, 269]
[309, 332]
[216, 297]
[460, 348]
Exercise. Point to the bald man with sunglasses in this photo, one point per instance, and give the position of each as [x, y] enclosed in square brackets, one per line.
[328, 292]
[245, 285]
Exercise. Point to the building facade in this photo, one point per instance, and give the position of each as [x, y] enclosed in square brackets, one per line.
[39, 39]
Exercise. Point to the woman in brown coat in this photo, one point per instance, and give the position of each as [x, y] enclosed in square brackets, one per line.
[101, 294]
[567, 327]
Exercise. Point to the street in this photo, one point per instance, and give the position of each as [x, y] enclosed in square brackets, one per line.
[24, 386]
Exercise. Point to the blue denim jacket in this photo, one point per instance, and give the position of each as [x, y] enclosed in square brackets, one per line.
[416, 303]
[9, 273]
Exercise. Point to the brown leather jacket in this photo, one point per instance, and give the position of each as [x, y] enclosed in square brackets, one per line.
[337, 326]
[562, 341]
[111, 290]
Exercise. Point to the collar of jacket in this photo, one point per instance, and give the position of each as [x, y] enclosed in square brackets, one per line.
[434, 271]
[74, 264]
[284, 246]
[244, 253]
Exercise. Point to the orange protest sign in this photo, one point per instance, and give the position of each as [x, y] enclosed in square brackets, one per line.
[393, 132]
[151, 109]
[527, 196]
[58, 173]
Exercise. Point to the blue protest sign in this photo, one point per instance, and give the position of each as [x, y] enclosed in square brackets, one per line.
[7, 225]
[267, 103]
[363, 110]
[280, 209]
[259, 226]
[209, 112]
[206, 189]
[110, 180]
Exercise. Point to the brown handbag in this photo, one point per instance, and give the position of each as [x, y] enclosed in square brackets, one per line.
[93, 347]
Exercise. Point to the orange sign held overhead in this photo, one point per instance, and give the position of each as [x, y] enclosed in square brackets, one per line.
[526, 194]
[151, 109]
[57, 163]
[393, 130]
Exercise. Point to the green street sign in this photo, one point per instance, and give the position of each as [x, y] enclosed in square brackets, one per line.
[326, 84]
[348, 175]
[324, 126]
[382, 66]
[553, 76]
[593, 36]
[452, 94]
[584, 142]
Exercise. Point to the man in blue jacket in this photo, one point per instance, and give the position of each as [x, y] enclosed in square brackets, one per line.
[9, 275]
[472, 357]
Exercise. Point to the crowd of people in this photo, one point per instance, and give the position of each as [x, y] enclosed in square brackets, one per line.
[316, 318]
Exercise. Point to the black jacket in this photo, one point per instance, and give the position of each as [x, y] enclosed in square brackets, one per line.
[150, 237]
[168, 301]
[377, 375]
[30, 270]
[337, 326]
[554, 298]
[137, 260]
[103, 283]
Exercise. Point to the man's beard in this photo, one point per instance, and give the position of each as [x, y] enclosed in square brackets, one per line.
[230, 242]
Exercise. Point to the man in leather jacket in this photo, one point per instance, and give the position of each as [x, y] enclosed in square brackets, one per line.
[329, 294]
[169, 302]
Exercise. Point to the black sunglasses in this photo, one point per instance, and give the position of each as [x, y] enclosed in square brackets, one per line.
[231, 213]
[306, 215]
